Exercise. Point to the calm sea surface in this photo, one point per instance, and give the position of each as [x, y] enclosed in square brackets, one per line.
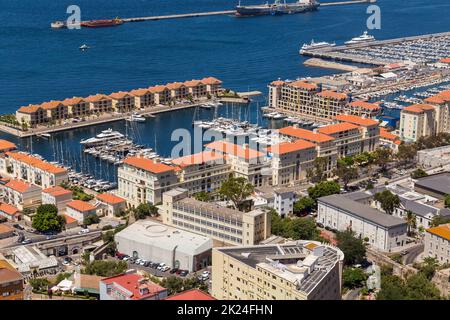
[39, 64]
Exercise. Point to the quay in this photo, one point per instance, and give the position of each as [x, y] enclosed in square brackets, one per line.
[223, 12]
[320, 63]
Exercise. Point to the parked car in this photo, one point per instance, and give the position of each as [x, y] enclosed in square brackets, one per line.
[178, 272]
[120, 255]
[184, 273]
[26, 241]
[154, 265]
[174, 270]
[147, 263]
[18, 226]
[205, 273]
[404, 252]
[161, 265]
[125, 258]
[83, 231]
[319, 225]
[165, 268]
[142, 262]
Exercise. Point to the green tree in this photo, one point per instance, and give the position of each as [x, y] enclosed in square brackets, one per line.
[382, 157]
[236, 190]
[324, 188]
[346, 171]
[410, 219]
[39, 284]
[354, 277]
[145, 210]
[392, 288]
[447, 201]
[352, 247]
[47, 219]
[91, 219]
[438, 220]
[406, 153]
[418, 287]
[388, 201]
[202, 196]
[317, 172]
[303, 205]
[429, 267]
[419, 173]
[302, 229]
[105, 268]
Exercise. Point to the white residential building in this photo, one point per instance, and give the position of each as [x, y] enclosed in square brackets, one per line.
[437, 243]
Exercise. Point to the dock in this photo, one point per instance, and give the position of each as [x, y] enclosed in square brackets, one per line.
[320, 63]
[223, 12]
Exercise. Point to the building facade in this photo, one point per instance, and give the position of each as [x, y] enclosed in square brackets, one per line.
[437, 243]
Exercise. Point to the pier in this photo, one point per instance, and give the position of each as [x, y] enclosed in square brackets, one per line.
[319, 63]
[223, 12]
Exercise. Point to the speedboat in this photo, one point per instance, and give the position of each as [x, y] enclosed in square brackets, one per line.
[84, 47]
[136, 117]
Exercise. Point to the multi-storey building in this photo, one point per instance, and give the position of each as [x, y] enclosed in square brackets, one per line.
[222, 224]
[437, 243]
[383, 231]
[369, 130]
[363, 109]
[80, 210]
[23, 166]
[57, 111]
[301, 270]
[110, 205]
[441, 102]
[417, 121]
[347, 138]
[21, 195]
[57, 196]
[388, 139]
[11, 282]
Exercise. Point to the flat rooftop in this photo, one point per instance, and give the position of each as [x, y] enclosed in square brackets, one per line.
[361, 210]
[159, 235]
[282, 260]
[439, 183]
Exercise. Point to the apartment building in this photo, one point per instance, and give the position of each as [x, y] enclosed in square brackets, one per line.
[384, 232]
[441, 102]
[437, 243]
[110, 205]
[417, 121]
[390, 140]
[369, 130]
[79, 210]
[58, 111]
[244, 161]
[347, 137]
[363, 109]
[10, 212]
[21, 195]
[222, 224]
[291, 161]
[143, 180]
[23, 166]
[57, 196]
[301, 270]
[11, 282]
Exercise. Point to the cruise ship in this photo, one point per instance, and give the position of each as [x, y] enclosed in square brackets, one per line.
[316, 45]
[365, 37]
[102, 138]
[277, 8]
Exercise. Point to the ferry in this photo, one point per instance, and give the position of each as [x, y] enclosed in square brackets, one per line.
[316, 45]
[102, 138]
[277, 8]
[365, 37]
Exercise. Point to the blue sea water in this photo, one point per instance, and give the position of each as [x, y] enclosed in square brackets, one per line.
[39, 64]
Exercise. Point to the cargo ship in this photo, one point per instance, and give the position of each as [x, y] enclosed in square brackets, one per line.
[101, 23]
[277, 8]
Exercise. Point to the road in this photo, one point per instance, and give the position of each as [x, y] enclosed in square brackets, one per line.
[413, 253]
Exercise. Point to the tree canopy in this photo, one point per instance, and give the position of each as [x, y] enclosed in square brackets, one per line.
[202, 196]
[388, 201]
[296, 229]
[236, 190]
[346, 171]
[303, 206]
[418, 173]
[145, 210]
[354, 277]
[47, 219]
[324, 188]
[105, 268]
[352, 247]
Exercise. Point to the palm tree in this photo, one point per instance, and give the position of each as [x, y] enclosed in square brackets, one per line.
[410, 221]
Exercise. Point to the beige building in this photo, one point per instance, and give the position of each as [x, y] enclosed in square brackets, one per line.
[110, 205]
[222, 224]
[417, 121]
[369, 130]
[437, 243]
[79, 210]
[347, 137]
[57, 196]
[302, 270]
[21, 195]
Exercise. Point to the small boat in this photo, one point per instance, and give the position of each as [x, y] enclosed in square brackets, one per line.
[57, 25]
[365, 37]
[135, 117]
[44, 135]
[84, 47]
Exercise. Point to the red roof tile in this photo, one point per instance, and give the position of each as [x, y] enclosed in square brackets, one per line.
[148, 165]
[199, 158]
[9, 209]
[130, 282]
[226, 148]
[357, 120]
[287, 147]
[110, 198]
[192, 294]
[305, 134]
[338, 127]
[81, 206]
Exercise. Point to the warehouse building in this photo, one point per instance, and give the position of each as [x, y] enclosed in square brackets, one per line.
[157, 242]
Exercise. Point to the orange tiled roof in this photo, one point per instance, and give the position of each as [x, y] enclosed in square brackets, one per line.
[277, 83]
[338, 127]
[35, 162]
[81, 206]
[305, 134]
[97, 97]
[9, 209]
[110, 198]
[442, 231]
[158, 88]
[174, 85]
[198, 158]
[332, 95]
[139, 92]
[287, 147]
[18, 185]
[192, 294]
[192, 83]
[303, 84]
[119, 95]
[435, 99]
[69, 219]
[445, 95]
[387, 135]
[56, 191]
[6, 145]
[211, 80]
[230, 148]
[4, 228]
[50, 105]
[356, 120]
[418, 108]
[32, 108]
[72, 101]
[364, 105]
[445, 60]
[148, 165]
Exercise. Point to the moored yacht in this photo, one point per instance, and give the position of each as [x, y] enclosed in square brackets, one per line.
[365, 37]
[102, 138]
[316, 45]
